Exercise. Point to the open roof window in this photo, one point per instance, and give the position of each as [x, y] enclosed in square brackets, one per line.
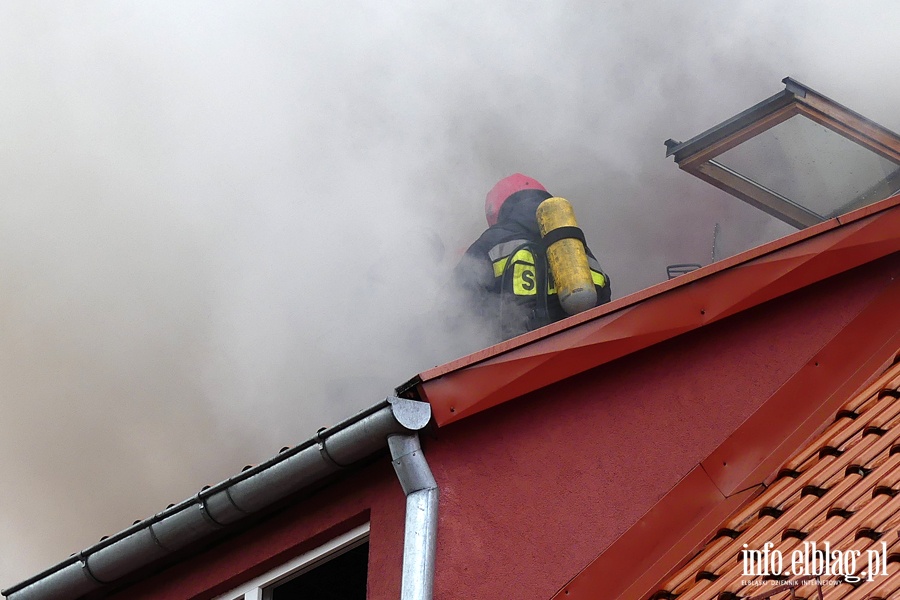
[798, 156]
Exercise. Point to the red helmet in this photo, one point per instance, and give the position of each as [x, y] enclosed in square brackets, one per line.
[505, 188]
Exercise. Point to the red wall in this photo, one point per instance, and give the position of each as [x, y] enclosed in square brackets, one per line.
[533, 490]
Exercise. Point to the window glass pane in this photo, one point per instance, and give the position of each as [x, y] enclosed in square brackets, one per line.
[814, 167]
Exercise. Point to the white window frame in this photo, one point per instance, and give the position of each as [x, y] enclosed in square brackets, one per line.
[260, 588]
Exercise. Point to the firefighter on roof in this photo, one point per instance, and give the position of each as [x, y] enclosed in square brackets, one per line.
[531, 267]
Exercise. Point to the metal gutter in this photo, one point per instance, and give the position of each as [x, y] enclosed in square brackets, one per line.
[216, 508]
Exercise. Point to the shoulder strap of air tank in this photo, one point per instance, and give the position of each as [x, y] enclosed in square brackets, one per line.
[562, 233]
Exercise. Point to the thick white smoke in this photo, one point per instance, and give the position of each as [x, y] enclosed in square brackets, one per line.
[221, 222]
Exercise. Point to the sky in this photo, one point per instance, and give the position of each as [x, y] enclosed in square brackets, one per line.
[224, 225]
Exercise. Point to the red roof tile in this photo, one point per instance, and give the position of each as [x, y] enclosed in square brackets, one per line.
[841, 488]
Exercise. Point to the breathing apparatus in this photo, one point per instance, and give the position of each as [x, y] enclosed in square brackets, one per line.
[566, 255]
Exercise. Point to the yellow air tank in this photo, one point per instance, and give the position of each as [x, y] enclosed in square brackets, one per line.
[566, 255]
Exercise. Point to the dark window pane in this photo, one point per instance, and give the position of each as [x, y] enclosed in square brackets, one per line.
[340, 578]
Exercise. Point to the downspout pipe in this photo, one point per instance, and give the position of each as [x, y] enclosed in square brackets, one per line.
[420, 535]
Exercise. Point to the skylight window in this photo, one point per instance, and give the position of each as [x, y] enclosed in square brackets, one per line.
[798, 156]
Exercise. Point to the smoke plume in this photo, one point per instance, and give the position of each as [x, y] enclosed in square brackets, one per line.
[226, 224]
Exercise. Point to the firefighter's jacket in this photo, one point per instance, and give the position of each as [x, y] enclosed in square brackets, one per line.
[504, 273]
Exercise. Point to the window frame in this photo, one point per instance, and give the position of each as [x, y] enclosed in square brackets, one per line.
[697, 155]
[260, 588]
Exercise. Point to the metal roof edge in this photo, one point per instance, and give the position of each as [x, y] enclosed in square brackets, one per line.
[216, 508]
